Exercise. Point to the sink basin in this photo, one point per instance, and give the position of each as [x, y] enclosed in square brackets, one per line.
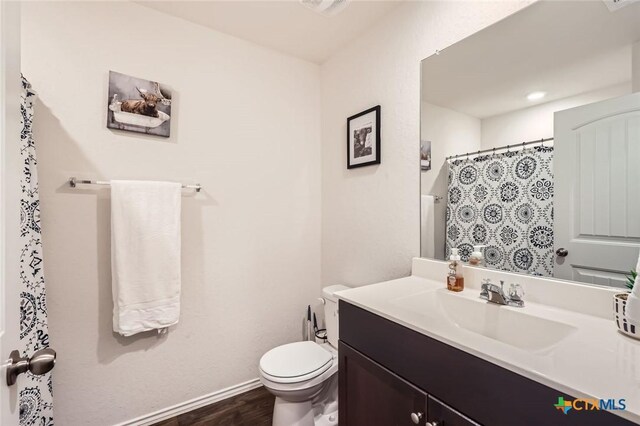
[512, 326]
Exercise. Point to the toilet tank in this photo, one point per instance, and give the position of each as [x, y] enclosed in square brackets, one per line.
[331, 312]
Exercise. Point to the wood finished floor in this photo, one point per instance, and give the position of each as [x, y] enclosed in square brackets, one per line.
[253, 408]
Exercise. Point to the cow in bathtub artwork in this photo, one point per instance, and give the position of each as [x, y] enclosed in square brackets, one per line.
[138, 105]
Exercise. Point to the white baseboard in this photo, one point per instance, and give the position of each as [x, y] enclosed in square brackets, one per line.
[184, 407]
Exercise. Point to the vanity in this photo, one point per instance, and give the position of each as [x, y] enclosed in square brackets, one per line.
[412, 352]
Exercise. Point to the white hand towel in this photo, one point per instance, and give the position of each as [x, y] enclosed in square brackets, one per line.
[145, 255]
[427, 223]
[632, 310]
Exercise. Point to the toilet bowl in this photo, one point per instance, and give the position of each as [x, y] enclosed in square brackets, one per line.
[303, 375]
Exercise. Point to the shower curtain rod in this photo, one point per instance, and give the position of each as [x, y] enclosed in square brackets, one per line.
[523, 144]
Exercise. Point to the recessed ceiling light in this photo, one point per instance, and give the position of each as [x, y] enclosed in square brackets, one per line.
[534, 96]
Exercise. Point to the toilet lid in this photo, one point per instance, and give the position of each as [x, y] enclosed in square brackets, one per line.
[295, 360]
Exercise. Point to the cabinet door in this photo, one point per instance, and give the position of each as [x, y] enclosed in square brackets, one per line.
[440, 414]
[371, 395]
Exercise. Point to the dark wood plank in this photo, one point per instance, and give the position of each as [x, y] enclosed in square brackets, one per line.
[253, 408]
[170, 422]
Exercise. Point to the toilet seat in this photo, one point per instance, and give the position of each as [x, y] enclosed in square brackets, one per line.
[295, 362]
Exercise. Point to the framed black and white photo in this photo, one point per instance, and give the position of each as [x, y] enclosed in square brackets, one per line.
[363, 138]
[138, 105]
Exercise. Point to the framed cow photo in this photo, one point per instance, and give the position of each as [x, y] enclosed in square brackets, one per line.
[363, 138]
[138, 105]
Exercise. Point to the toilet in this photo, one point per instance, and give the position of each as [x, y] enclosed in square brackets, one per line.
[303, 375]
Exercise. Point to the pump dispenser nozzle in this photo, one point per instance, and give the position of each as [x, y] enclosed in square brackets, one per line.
[477, 258]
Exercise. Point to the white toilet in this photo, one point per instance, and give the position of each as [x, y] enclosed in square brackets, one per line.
[303, 375]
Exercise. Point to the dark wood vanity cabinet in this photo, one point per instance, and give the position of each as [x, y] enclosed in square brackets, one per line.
[393, 376]
[372, 395]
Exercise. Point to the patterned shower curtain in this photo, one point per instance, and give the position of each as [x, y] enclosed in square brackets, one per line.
[504, 201]
[36, 397]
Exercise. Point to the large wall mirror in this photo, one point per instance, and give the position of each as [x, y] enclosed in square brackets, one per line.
[530, 143]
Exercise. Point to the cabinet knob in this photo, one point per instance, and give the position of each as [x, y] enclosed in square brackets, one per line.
[416, 417]
[562, 252]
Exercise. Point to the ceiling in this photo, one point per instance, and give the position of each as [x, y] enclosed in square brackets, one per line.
[562, 48]
[286, 26]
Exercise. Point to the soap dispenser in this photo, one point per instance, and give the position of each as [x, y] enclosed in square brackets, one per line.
[477, 258]
[455, 280]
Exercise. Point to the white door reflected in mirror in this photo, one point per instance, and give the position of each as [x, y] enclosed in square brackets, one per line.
[598, 190]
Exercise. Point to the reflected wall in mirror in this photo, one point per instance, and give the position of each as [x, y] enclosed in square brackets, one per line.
[534, 126]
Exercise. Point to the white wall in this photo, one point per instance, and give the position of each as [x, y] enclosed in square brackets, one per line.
[246, 126]
[450, 132]
[536, 122]
[370, 215]
[635, 67]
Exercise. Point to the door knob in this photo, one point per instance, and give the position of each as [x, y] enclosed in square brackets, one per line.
[40, 363]
[416, 417]
[562, 252]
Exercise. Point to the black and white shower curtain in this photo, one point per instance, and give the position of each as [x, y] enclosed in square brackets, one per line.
[504, 201]
[35, 394]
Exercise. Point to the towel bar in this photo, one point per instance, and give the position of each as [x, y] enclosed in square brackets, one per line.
[73, 182]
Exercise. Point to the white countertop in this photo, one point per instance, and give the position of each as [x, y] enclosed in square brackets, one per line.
[594, 361]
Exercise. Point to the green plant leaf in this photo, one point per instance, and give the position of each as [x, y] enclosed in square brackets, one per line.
[631, 279]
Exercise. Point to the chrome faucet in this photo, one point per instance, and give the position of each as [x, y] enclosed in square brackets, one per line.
[495, 294]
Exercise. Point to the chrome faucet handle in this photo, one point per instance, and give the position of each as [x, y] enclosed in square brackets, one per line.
[486, 282]
[516, 292]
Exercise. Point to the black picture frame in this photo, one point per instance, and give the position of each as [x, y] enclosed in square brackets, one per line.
[355, 141]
